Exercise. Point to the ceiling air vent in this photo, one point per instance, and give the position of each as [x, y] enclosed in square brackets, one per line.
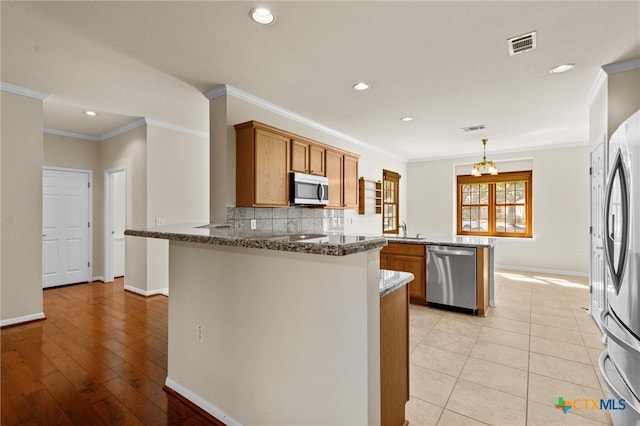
[472, 128]
[522, 43]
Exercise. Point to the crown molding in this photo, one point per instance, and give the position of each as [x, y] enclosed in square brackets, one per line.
[225, 89]
[122, 129]
[126, 128]
[75, 135]
[506, 151]
[216, 92]
[607, 70]
[621, 66]
[18, 90]
[176, 128]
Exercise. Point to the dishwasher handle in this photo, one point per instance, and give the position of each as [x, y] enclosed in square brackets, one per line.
[451, 252]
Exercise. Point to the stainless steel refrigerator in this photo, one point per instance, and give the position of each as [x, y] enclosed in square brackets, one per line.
[620, 362]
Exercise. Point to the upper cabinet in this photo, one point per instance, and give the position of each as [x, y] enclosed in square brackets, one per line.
[350, 182]
[334, 167]
[342, 172]
[299, 156]
[262, 166]
[307, 157]
[265, 155]
[316, 160]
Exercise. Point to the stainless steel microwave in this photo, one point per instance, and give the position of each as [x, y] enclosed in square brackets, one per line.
[308, 189]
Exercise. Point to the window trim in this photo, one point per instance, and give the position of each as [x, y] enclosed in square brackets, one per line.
[388, 175]
[521, 176]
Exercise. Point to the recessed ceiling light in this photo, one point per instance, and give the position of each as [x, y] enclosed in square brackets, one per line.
[407, 118]
[262, 16]
[562, 68]
[361, 86]
[91, 113]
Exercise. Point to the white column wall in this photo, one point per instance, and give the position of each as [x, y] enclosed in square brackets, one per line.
[177, 192]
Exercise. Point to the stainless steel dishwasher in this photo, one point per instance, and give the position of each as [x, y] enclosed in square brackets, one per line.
[451, 277]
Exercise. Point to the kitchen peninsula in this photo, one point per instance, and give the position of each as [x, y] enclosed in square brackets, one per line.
[276, 328]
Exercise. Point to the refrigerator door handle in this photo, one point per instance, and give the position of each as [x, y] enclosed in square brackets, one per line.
[616, 269]
[630, 402]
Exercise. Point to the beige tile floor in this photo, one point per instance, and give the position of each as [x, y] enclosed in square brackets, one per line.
[510, 367]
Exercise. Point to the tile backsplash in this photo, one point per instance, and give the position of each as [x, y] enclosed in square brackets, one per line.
[286, 219]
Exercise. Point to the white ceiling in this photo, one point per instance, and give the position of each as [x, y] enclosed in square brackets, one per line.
[444, 62]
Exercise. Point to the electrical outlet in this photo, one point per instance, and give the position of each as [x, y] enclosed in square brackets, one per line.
[159, 221]
[253, 224]
[578, 252]
[200, 334]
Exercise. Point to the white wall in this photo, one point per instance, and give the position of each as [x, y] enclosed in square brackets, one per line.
[560, 208]
[129, 150]
[21, 192]
[177, 192]
[370, 164]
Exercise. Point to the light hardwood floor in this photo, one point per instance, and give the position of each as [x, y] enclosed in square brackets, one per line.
[100, 358]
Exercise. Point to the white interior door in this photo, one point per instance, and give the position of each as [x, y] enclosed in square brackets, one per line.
[65, 227]
[115, 222]
[597, 267]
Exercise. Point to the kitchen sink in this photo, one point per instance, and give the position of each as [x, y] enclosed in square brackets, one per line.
[408, 238]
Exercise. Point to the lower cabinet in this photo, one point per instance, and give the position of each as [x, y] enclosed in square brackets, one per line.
[394, 357]
[408, 258]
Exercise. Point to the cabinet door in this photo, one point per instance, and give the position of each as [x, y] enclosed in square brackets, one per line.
[335, 172]
[386, 261]
[350, 183]
[299, 156]
[415, 265]
[316, 160]
[271, 169]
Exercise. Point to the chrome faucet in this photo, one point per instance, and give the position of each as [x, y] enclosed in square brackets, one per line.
[404, 229]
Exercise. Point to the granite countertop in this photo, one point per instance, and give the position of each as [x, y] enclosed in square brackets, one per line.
[393, 280]
[464, 241]
[330, 244]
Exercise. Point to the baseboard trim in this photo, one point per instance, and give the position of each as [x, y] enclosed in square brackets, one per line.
[544, 270]
[145, 293]
[196, 402]
[22, 320]
[97, 279]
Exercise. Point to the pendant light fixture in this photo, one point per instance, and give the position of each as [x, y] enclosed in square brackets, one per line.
[484, 164]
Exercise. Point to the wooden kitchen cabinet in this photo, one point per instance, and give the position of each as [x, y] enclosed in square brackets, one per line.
[335, 173]
[350, 182]
[299, 156]
[342, 172]
[262, 166]
[408, 258]
[265, 155]
[316, 160]
[394, 357]
[307, 157]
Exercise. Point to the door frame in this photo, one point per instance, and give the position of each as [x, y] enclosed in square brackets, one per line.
[90, 211]
[109, 254]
